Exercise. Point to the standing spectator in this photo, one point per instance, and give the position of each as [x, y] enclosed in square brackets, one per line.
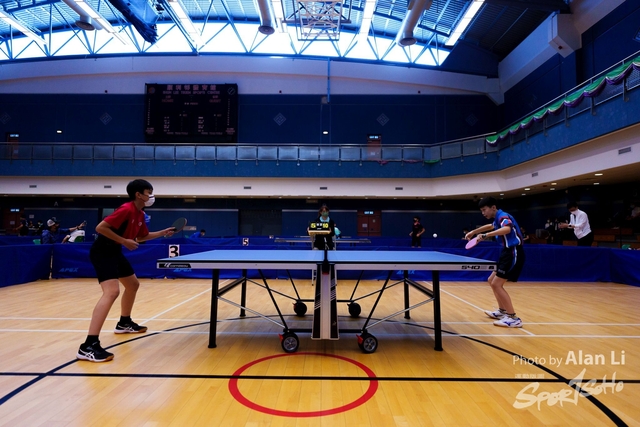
[416, 231]
[633, 219]
[23, 228]
[579, 222]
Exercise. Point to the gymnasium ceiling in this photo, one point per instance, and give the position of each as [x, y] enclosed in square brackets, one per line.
[300, 27]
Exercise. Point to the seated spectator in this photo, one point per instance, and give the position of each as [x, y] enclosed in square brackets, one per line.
[39, 228]
[76, 236]
[53, 233]
[198, 234]
[525, 235]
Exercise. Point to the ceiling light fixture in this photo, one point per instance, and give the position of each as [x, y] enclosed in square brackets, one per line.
[462, 25]
[279, 13]
[101, 20]
[184, 21]
[367, 16]
[13, 22]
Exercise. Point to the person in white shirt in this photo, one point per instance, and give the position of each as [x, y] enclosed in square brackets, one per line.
[633, 219]
[580, 224]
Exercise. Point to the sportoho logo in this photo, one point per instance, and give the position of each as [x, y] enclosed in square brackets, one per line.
[175, 265]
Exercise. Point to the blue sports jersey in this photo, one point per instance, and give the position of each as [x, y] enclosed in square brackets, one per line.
[514, 238]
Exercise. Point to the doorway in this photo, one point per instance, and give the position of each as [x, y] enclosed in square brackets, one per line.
[369, 223]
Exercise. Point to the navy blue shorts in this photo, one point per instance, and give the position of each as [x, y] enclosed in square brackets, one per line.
[510, 263]
[110, 264]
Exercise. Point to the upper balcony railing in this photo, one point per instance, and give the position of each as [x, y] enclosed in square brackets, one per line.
[243, 152]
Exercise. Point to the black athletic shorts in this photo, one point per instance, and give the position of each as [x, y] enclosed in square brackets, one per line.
[510, 263]
[109, 263]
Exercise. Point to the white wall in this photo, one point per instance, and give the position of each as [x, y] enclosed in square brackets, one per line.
[128, 75]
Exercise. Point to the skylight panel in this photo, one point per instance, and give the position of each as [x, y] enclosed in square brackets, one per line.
[362, 50]
[172, 41]
[276, 44]
[226, 41]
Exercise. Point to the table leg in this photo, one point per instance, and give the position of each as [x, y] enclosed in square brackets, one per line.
[407, 315]
[437, 321]
[243, 294]
[213, 326]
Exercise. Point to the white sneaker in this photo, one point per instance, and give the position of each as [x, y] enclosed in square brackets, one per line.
[509, 322]
[496, 314]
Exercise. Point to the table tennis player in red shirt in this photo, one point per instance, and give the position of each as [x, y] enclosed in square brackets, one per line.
[124, 227]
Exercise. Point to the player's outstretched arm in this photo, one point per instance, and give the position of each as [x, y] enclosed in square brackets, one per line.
[167, 232]
[485, 228]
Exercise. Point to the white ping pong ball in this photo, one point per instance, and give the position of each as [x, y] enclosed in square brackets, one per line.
[435, 235]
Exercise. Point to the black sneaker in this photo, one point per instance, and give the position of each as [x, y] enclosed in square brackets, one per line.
[93, 353]
[129, 328]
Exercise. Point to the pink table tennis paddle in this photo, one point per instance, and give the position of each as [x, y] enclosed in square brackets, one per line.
[471, 243]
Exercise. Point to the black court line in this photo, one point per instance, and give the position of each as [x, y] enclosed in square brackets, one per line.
[559, 378]
[53, 371]
[304, 377]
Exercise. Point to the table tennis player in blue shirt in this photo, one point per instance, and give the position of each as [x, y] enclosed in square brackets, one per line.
[506, 230]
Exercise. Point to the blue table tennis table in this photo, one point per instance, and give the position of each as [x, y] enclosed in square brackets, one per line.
[327, 263]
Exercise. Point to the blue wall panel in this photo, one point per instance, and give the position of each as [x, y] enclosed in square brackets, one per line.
[263, 119]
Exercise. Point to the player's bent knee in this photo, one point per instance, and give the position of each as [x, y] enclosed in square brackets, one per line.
[111, 293]
[130, 283]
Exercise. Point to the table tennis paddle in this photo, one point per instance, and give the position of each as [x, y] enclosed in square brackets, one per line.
[471, 243]
[179, 224]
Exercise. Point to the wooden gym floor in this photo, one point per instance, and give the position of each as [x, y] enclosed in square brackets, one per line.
[486, 376]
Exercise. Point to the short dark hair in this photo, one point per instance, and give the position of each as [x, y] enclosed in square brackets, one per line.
[324, 206]
[138, 186]
[488, 202]
[417, 217]
[572, 204]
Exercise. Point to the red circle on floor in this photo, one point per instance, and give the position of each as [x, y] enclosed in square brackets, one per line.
[235, 392]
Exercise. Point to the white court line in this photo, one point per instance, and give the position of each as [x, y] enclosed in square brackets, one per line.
[539, 323]
[614, 286]
[88, 318]
[169, 319]
[179, 304]
[478, 308]
[393, 335]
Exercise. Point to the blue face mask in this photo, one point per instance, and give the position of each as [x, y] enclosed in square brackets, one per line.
[324, 215]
